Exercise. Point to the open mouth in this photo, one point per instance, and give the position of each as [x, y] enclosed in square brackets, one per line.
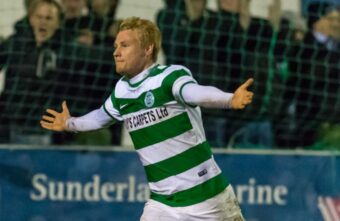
[42, 31]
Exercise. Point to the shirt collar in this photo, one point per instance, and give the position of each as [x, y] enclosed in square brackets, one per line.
[141, 76]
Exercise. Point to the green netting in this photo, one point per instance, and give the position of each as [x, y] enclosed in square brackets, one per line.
[296, 80]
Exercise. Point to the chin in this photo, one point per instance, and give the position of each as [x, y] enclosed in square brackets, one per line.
[119, 71]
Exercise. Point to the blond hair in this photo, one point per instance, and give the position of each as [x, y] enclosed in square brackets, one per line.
[149, 33]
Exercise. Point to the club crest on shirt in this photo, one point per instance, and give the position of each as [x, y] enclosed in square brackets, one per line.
[149, 99]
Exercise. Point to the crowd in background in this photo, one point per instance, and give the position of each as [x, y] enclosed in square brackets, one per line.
[64, 52]
[57, 52]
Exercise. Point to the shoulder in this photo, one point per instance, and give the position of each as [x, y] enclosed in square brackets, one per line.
[169, 74]
[175, 68]
[176, 73]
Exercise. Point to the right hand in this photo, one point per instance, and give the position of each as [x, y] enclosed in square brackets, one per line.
[242, 97]
[57, 121]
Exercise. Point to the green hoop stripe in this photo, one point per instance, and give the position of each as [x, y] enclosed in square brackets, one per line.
[179, 163]
[162, 131]
[195, 194]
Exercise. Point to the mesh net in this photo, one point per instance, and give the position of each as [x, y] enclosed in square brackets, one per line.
[296, 79]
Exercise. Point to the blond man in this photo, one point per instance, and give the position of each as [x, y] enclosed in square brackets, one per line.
[160, 106]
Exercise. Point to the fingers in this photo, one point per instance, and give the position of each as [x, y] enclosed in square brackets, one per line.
[242, 99]
[52, 112]
[48, 118]
[46, 125]
[240, 106]
[50, 126]
[247, 83]
[64, 106]
[250, 95]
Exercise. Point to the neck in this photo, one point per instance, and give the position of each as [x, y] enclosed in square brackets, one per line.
[142, 75]
[143, 68]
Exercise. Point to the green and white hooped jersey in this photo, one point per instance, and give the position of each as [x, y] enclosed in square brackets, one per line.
[168, 136]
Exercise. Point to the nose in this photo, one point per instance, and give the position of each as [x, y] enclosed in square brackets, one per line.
[115, 53]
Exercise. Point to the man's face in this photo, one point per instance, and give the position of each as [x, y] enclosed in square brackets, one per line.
[129, 56]
[230, 5]
[100, 7]
[44, 21]
[73, 8]
[197, 6]
[333, 19]
[329, 24]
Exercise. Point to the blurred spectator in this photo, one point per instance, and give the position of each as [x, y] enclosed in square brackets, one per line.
[182, 24]
[313, 84]
[76, 21]
[190, 36]
[30, 60]
[231, 40]
[244, 50]
[74, 8]
[105, 8]
[92, 24]
[86, 27]
[290, 34]
[225, 68]
[329, 132]
[170, 19]
[100, 71]
[43, 67]
[105, 11]
[223, 49]
[291, 31]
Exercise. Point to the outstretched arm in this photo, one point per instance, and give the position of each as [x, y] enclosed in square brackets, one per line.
[212, 97]
[94, 120]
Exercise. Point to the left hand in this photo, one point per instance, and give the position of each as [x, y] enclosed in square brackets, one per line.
[242, 96]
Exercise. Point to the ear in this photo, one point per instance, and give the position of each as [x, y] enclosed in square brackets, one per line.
[149, 50]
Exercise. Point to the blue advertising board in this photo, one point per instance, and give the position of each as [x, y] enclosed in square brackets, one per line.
[71, 185]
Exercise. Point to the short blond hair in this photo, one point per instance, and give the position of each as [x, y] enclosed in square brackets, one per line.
[149, 33]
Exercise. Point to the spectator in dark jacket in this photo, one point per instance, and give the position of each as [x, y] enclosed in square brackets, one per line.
[42, 68]
[243, 51]
[315, 75]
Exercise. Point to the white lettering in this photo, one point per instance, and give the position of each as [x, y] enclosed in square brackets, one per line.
[121, 187]
[279, 193]
[56, 191]
[132, 184]
[92, 191]
[240, 189]
[37, 185]
[142, 193]
[105, 190]
[73, 187]
[254, 193]
[264, 192]
[95, 190]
